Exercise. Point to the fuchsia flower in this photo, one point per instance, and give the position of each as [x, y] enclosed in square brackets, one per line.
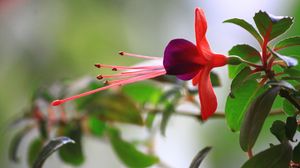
[181, 58]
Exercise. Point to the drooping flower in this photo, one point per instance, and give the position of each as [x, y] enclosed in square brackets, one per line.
[182, 58]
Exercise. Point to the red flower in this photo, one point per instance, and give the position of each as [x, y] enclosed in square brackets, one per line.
[188, 61]
[182, 59]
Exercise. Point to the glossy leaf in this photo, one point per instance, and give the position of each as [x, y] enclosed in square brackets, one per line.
[278, 129]
[34, 149]
[15, 143]
[111, 106]
[283, 84]
[128, 153]
[272, 26]
[247, 53]
[277, 156]
[296, 153]
[289, 42]
[96, 126]
[237, 106]
[199, 157]
[255, 117]
[239, 80]
[50, 148]
[72, 153]
[246, 26]
[291, 127]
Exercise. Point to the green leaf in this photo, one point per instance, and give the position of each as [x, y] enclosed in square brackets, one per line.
[143, 92]
[15, 143]
[128, 153]
[272, 26]
[247, 53]
[255, 118]
[292, 73]
[150, 119]
[277, 156]
[278, 129]
[239, 80]
[288, 108]
[199, 157]
[237, 106]
[291, 127]
[34, 149]
[111, 106]
[215, 80]
[296, 153]
[289, 42]
[289, 61]
[96, 126]
[50, 148]
[72, 153]
[283, 84]
[246, 26]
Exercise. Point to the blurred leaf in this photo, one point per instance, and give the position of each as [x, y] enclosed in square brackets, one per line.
[246, 26]
[255, 117]
[34, 149]
[278, 129]
[43, 128]
[51, 147]
[289, 42]
[296, 153]
[215, 79]
[15, 143]
[247, 53]
[288, 108]
[96, 126]
[143, 92]
[291, 127]
[270, 25]
[150, 119]
[199, 157]
[128, 153]
[72, 153]
[277, 156]
[111, 106]
[237, 106]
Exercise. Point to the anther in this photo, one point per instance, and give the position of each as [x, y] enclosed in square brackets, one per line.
[97, 65]
[99, 77]
[114, 69]
[121, 53]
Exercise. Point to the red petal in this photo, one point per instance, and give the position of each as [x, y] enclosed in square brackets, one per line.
[200, 31]
[207, 96]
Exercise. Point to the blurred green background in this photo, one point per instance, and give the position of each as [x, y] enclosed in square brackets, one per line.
[46, 41]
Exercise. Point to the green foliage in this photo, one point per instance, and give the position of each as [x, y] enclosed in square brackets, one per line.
[34, 149]
[277, 156]
[278, 129]
[96, 126]
[291, 127]
[271, 26]
[199, 157]
[289, 42]
[128, 153]
[215, 80]
[288, 108]
[296, 153]
[255, 117]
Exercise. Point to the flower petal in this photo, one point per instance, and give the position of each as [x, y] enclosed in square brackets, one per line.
[207, 96]
[181, 58]
[200, 31]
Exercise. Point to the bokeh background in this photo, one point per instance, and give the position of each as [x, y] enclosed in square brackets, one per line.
[46, 41]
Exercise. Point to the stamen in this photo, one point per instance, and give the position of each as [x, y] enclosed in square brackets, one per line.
[138, 56]
[130, 80]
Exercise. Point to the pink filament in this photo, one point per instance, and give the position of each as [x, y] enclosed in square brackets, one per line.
[122, 82]
[128, 67]
[138, 56]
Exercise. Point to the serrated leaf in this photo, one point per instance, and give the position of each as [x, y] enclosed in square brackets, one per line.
[277, 156]
[199, 157]
[270, 25]
[296, 153]
[237, 106]
[15, 143]
[215, 80]
[50, 148]
[289, 42]
[246, 26]
[128, 153]
[34, 149]
[291, 127]
[96, 126]
[143, 92]
[278, 129]
[255, 117]
[288, 108]
[111, 106]
[72, 153]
